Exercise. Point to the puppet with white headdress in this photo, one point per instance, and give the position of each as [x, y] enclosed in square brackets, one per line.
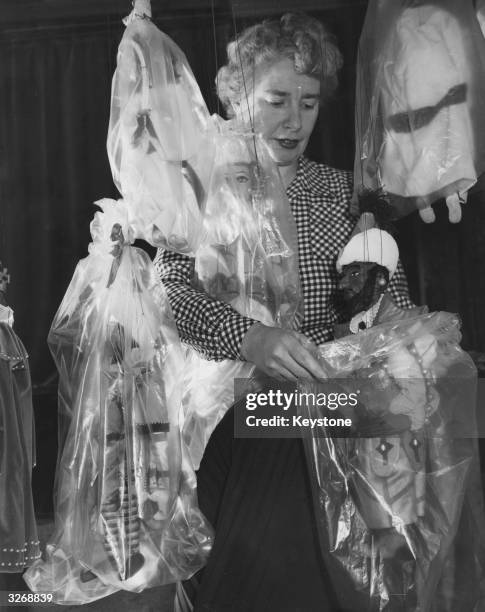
[397, 495]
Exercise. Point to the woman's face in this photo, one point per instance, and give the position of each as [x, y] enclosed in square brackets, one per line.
[284, 107]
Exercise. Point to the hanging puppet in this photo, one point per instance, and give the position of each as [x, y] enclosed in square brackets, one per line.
[126, 510]
[159, 143]
[19, 544]
[419, 104]
[394, 495]
[247, 259]
[199, 185]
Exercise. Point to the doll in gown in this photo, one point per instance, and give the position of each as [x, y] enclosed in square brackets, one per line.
[19, 544]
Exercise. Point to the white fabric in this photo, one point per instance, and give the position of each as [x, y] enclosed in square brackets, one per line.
[375, 246]
[6, 315]
[427, 59]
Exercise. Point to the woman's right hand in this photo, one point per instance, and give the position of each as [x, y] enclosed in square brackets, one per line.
[282, 354]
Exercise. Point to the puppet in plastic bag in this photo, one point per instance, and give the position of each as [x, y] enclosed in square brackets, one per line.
[158, 138]
[420, 103]
[19, 544]
[399, 502]
[126, 510]
[248, 259]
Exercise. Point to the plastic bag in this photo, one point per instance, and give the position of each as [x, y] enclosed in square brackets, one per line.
[399, 501]
[248, 258]
[419, 103]
[158, 144]
[126, 506]
[19, 544]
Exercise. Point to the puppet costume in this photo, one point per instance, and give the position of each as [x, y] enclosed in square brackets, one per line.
[126, 504]
[126, 509]
[419, 93]
[393, 498]
[19, 544]
[197, 185]
[247, 259]
[392, 467]
[393, 494]
[159, 143]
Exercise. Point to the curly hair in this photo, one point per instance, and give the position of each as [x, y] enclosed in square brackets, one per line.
[299, 37]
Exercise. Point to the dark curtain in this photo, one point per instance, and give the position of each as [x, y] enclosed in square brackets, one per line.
[54, 113]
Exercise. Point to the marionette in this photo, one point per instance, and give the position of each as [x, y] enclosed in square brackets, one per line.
[200, 186]
[391, 493]
[392, 465]
[19, 544]
[126, 512]
[159, 143]
[419, 94]
[246, 259]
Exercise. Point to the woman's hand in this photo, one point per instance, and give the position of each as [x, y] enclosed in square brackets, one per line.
[282, 354]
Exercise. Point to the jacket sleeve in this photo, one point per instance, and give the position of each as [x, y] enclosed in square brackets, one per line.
[210, 326]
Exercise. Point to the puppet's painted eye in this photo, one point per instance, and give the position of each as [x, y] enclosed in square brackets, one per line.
[242, 178]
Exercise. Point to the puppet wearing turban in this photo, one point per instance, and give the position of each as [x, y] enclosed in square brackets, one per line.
[390, 494]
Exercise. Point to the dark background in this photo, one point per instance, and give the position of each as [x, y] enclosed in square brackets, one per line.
[57, 58]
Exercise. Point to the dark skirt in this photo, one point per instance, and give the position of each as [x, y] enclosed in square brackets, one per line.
[266, 555]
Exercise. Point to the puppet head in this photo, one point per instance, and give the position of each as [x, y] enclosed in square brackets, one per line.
[368, 261]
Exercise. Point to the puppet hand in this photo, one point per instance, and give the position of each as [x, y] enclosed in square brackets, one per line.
[281, 354]
[427, 214]
[454, 202]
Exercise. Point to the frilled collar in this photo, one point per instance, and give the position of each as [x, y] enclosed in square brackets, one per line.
[387, 311]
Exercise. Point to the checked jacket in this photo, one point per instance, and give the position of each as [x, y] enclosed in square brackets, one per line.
[319, 199]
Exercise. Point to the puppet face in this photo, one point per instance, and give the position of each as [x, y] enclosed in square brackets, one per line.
[239, 177]
[360, 286]
[284, 107]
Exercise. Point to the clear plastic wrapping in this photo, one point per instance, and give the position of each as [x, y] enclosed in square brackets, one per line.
[248, 259]
[126, 506]
[157, 138]
[19, 544]
[420, 101]
[399, 500]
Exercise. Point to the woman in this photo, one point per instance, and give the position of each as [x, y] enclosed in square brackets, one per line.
[278, 75]
[256, 493]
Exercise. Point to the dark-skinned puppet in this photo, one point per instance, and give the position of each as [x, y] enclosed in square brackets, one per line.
[399, 504]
